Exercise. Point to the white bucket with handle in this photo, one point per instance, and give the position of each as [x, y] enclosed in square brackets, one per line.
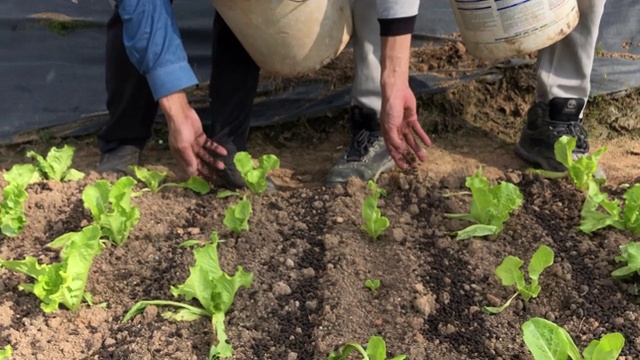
[289, 37]
[495, 29]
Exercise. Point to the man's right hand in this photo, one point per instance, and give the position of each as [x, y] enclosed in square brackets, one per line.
[398, 116]
[192, 148]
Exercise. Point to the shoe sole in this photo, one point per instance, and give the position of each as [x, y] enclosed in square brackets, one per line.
[542, 162]
[599, 174]
[386, 166]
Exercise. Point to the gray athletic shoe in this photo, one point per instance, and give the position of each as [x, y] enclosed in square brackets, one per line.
[546, 123]
[119, 159]
[367, 156]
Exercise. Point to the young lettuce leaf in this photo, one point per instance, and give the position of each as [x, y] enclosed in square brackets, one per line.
[12, 218]
[22, 175]
[630, 255]
[255, 176]
[236, 217]
[548, 341]
[593, 216]
[491, 206]
[111, 207]
[631, 212]
[510, 274]
[6, 353]
[153, 179]
[376, 350]
[374, 223]
[581, 171]
[63, 282]
[56, 165]
[607, 348]
[372, 284]
[212, 287]
[599, 212]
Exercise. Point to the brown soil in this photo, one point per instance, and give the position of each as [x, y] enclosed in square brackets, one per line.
[310, 259]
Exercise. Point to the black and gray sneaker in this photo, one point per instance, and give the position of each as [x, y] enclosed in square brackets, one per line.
[367, 156]
[119, 159]
[546, 123]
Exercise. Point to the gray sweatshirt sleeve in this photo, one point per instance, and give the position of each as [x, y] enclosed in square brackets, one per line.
[397, 17]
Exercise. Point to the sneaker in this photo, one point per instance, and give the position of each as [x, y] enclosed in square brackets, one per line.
[546, 123]
[119, 159]
[231, 179]
[367, 156]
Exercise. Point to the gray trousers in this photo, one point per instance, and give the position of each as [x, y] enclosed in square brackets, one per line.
[564, 68]
[365, 90]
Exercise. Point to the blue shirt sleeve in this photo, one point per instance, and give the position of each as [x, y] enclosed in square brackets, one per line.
[153, 44]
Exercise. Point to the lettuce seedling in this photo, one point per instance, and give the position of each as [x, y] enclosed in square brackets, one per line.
[12, 218]
[372, 284]
[491, 206]
[548, 341]
[510, 274]
[374, 222]
[22, 175]
[6, 353]
[376, 350]
[236, 217]
[598, 211]
[56, 165]
[153, 179]
[63, 282]
[212, 287]
[111, 207]
[631, 212]
[630, 255]
[255, 176]
[580, 171]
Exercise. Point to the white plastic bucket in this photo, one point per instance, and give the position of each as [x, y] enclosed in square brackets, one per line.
[289, 37]
[494, 29]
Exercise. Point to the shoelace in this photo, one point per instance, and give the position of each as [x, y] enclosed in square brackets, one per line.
[574, 129]
[360, 144]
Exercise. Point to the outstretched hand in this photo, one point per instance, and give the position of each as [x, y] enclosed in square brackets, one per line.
[400, 127]
[196, 153]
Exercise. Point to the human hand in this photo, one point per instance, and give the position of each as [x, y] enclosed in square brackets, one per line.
[398, 116]
[399, 126]
[187, 140]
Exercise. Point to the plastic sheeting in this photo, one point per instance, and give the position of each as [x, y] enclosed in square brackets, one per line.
[52, 78]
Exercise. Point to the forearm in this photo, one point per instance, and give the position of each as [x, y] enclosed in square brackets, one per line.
[154, 46]
[397, 20]
[394, 59]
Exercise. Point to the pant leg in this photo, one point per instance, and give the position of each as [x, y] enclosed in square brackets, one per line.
[232, 89]
[130, 102]
[564, 68]
[366, 90]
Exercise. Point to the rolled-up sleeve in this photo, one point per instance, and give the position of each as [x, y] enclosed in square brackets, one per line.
[397, 17]
[153, 44]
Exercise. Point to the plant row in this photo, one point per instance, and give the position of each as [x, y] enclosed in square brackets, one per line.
[114, 215]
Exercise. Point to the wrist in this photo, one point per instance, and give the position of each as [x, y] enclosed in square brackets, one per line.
[395, 59]
[174, 106]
